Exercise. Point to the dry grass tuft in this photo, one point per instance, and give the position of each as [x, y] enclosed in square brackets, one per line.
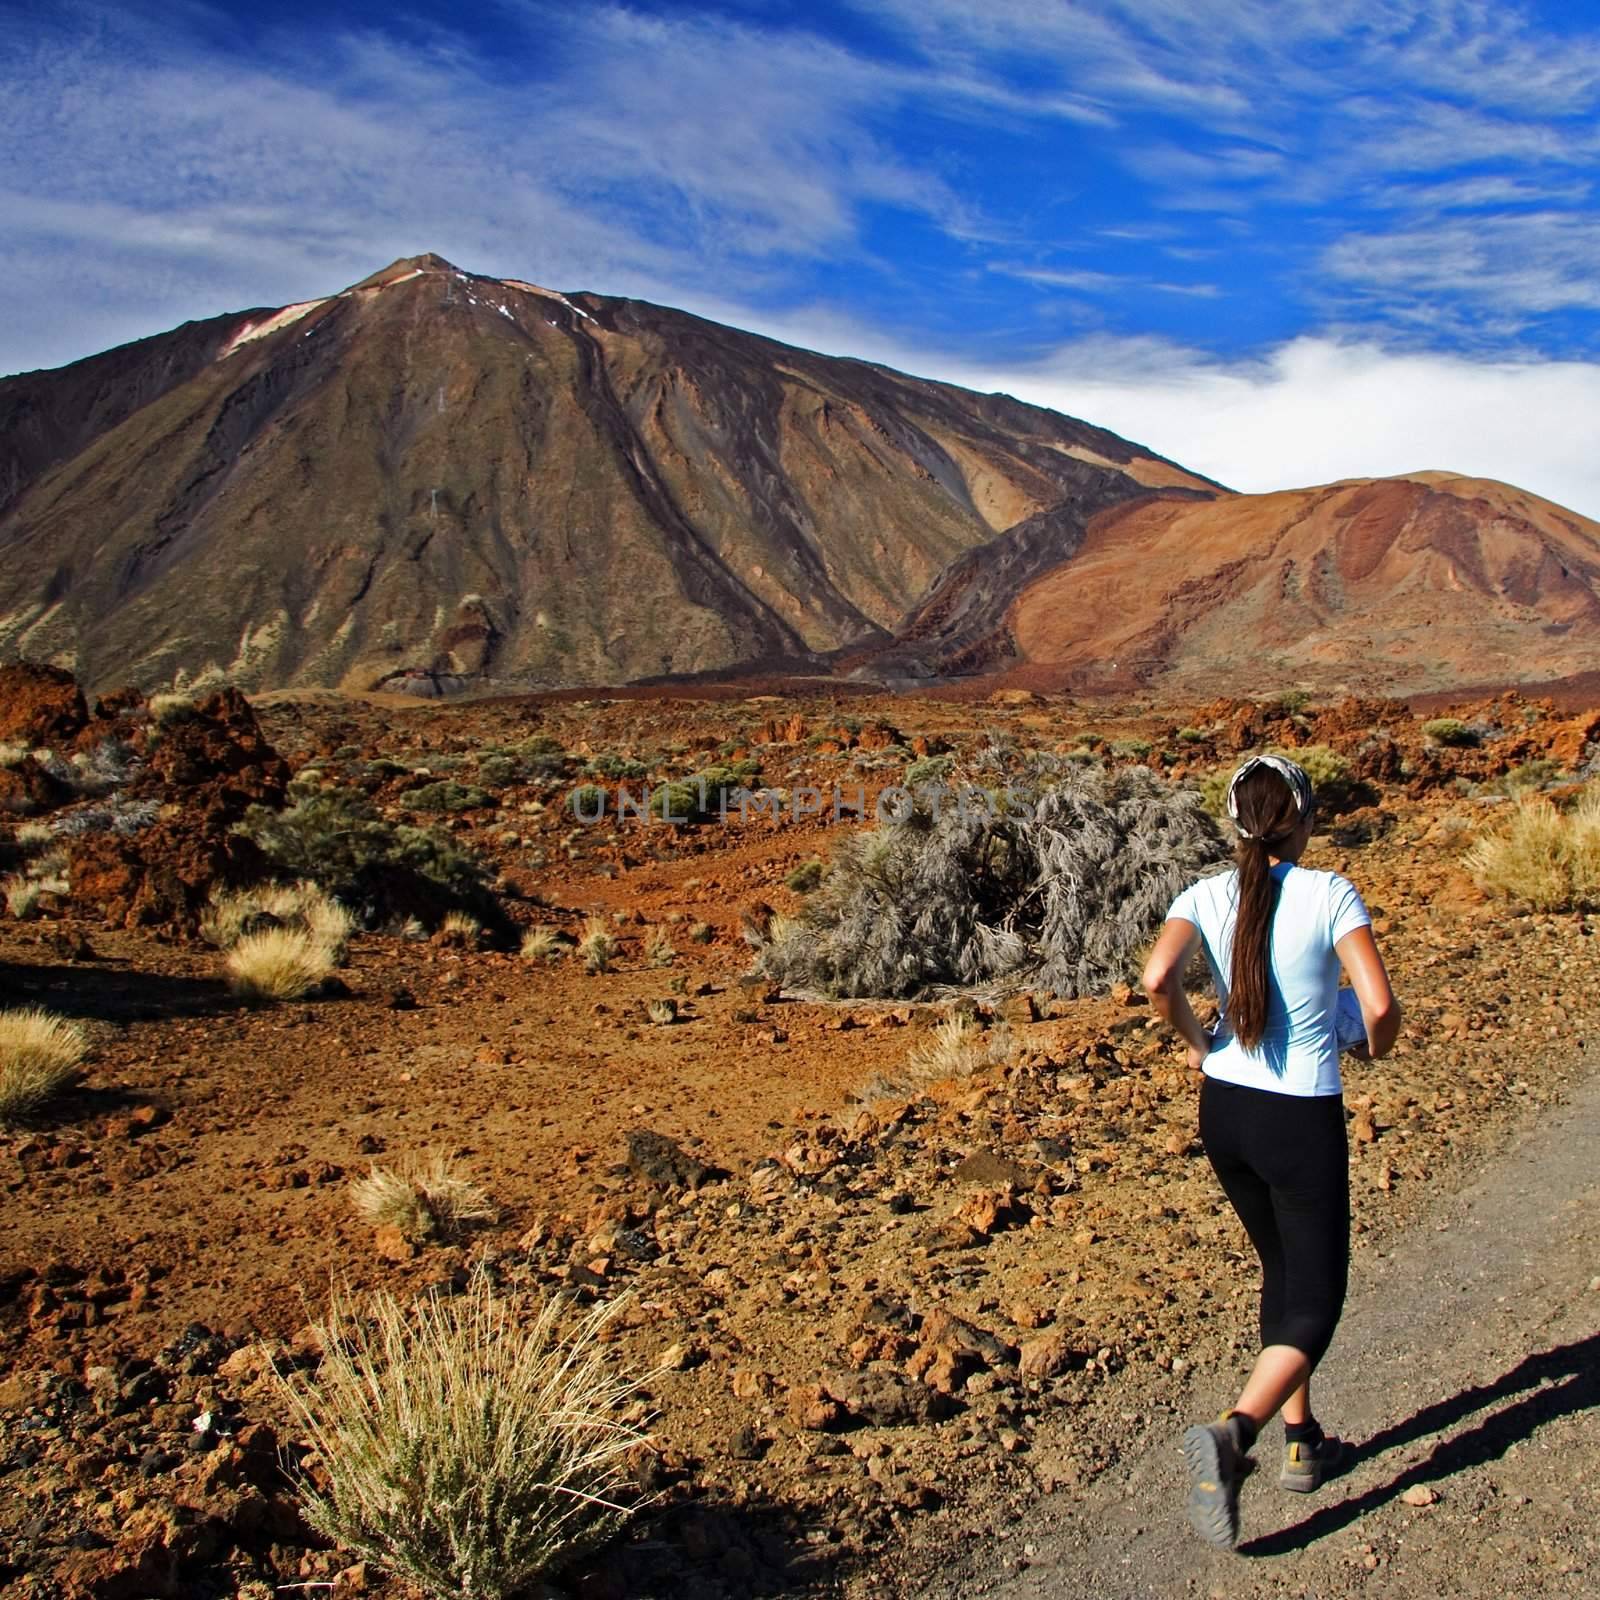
[659, 949]
[278, 964]
[166, 709]
[1544, 857]
[461, 928]
[430, 1202]
[542, 944]
[466, 1446]
[22, 897]
[40, 1057]
[957, 1048]
[598, 944]
[304, 905]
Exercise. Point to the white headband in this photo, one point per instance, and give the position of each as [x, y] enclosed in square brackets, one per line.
[1291, 772]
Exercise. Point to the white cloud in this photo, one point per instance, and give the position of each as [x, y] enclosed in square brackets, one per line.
[1318, 409]
[1535, 261]
[1099, 283]
[1472, 194]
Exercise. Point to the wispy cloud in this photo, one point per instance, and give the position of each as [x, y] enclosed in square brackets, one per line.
[1521, 263]
[626, 152]
[1478, 194]
[1100, 283]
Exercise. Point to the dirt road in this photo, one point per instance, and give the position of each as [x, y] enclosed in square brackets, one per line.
[1466, 1374]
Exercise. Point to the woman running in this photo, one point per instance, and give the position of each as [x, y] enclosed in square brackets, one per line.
[1275, 937]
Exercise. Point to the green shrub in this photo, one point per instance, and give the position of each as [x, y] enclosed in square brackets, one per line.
[543, 756]
[1213, 788]
[702, 796]
[1450, 731]
[677, 801]
[446, 795]
[1192, 735]
[499, 771]
[806, 877]
[588, 802]
[929, 772]
[379, 869]
[616, 768]
[1137, 749]
[1328, 770]
[1293, 700]
[1529, 776]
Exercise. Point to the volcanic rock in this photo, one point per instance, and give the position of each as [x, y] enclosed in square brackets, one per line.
[39, 705]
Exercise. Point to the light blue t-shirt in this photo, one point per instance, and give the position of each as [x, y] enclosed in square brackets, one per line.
[1299, 1053]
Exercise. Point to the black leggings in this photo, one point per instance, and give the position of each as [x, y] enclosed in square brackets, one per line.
[1283, 1164]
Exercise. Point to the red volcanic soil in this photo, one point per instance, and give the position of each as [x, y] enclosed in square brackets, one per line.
[874, 1317]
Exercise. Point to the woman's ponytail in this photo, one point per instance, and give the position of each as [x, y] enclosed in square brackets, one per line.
[1268, 799]
[1252, 932]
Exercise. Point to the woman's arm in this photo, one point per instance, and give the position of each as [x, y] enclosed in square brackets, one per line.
[1358, 954]
[1163, 982]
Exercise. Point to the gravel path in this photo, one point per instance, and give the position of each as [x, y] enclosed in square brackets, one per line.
[1466, 1374]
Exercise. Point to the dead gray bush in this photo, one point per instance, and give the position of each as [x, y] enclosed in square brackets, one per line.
[1059, 888]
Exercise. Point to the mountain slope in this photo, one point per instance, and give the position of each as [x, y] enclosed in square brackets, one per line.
[438, 473]
[1406, 584]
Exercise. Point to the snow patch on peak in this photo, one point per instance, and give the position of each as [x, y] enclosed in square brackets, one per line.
[259, 330]
[549, 294]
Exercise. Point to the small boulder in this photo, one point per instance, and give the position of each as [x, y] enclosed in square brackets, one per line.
[663, 1163]
[884, 1399]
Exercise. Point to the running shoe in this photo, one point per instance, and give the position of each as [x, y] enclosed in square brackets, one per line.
[1306, 1467]
[1217, 1467]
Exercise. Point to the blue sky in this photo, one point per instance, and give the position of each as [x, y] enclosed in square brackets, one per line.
[1280, 242]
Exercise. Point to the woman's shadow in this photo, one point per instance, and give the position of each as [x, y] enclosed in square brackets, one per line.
[1562, 1381]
